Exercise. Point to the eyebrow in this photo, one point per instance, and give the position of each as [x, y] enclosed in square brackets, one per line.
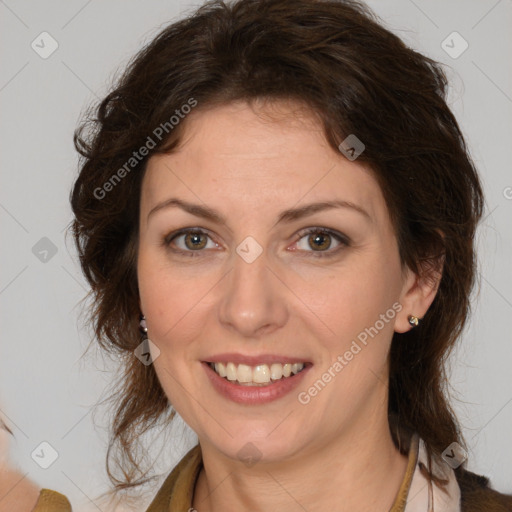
[289, 215]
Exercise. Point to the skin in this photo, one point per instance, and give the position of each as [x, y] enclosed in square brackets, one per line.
[250, 163]
[17, 492]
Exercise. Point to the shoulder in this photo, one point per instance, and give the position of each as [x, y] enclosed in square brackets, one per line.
[51, 501]
[471, 492]
[477, 495]
[17, 492]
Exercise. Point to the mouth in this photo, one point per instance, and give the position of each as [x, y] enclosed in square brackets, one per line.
[258, 375]
[255, 383]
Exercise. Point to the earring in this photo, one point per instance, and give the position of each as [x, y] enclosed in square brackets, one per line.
[414, 320]
[143, 326]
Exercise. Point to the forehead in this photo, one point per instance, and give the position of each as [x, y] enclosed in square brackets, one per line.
[258, 159]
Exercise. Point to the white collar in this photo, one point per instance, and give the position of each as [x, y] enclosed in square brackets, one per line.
[426, 496]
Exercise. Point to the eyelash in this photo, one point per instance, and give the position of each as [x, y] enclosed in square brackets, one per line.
[344, 241]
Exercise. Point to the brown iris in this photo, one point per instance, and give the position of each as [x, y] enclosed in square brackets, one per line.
[195, 239]
[320, 240]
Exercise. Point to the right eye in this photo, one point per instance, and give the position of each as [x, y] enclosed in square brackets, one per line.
[192, 240]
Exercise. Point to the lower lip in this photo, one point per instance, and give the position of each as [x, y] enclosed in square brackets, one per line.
[254, 394]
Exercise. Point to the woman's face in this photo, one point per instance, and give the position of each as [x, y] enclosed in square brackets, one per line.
[256, 288]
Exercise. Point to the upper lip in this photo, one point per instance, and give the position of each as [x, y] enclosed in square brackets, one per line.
[253, 360]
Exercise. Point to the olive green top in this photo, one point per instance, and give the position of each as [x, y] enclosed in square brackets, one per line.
[177, 491]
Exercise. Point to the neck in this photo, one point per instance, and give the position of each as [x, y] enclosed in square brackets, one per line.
[358, 470]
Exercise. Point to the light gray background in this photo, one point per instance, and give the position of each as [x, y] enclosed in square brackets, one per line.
[46, 390]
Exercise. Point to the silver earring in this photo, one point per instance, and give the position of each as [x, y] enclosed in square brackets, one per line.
[414, 320]
[143, 326]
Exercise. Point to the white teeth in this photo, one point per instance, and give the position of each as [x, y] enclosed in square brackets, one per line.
[220, 369]
[276, 371]
[244, 373]
[256, 375]
[260, 374]
[231, 371]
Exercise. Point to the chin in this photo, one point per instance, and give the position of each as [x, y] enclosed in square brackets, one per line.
[258, 447]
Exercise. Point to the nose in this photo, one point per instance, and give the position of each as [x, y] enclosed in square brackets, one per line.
[254, 298]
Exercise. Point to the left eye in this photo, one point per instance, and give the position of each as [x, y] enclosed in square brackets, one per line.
[321, 240]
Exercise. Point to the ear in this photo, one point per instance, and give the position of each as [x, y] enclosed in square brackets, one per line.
[418, 292]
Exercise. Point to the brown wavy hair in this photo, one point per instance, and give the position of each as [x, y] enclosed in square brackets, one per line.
[337, 59]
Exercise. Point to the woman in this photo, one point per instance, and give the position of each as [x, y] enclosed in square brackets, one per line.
[276, 213]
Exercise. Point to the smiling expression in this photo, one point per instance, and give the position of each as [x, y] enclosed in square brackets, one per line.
[260, 244]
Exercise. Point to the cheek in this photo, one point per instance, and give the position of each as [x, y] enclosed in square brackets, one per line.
[354, 298]
[172, 298]
[360, 308]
